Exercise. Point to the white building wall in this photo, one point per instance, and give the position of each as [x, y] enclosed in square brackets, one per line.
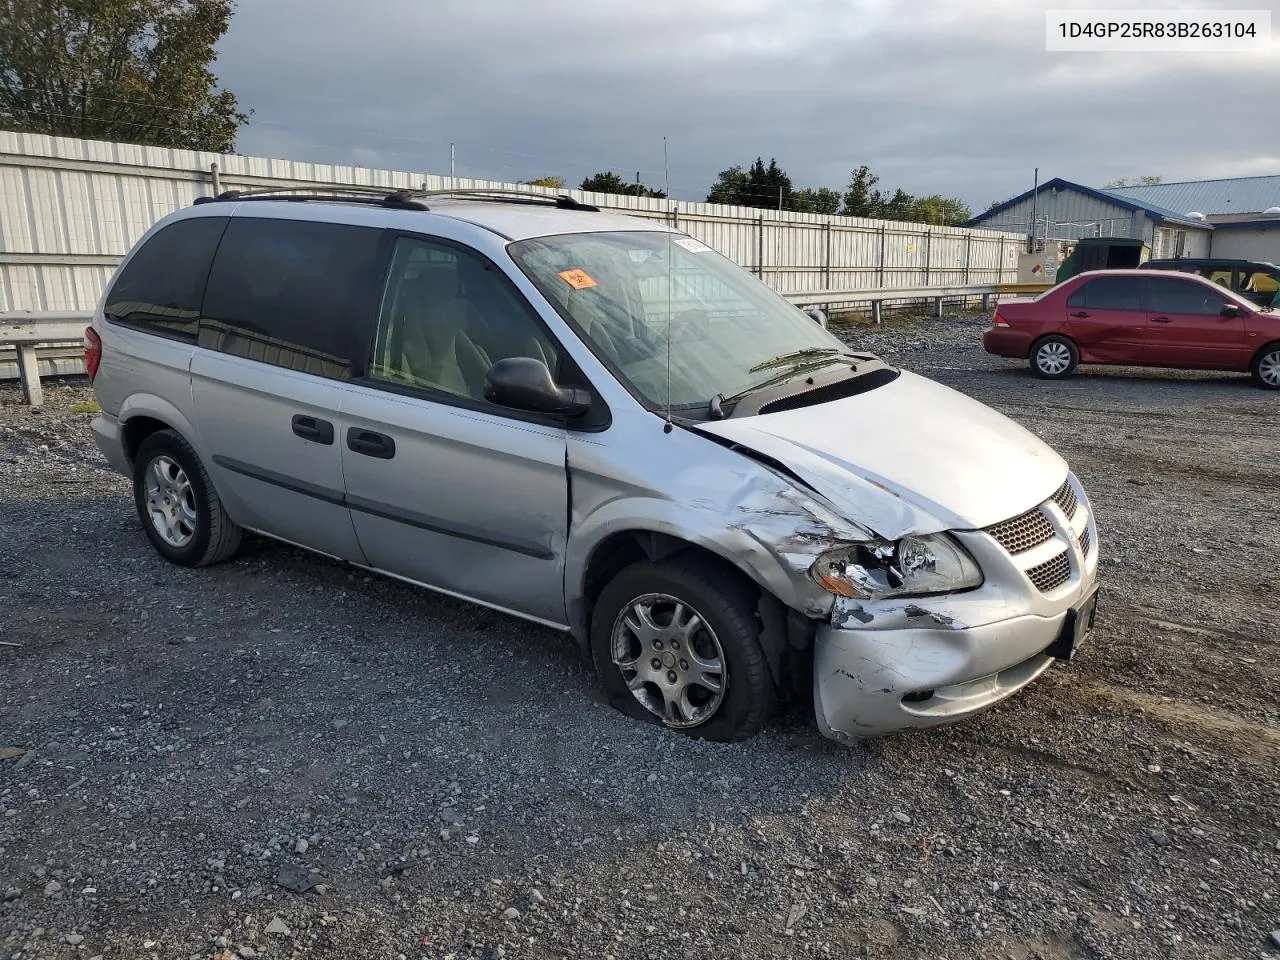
[1248, 243]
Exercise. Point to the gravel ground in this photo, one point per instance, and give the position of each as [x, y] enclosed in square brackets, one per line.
[278, 757]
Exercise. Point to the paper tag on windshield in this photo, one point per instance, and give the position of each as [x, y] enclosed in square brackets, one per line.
[692, 245]
[578, 279]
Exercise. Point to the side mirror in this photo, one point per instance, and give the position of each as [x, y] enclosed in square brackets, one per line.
[818, 317]
[1232, 310]
[525, 384]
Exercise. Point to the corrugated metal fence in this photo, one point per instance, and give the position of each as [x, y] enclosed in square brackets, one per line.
[70, 209]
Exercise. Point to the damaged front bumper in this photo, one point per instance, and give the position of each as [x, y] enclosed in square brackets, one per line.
[902, 664]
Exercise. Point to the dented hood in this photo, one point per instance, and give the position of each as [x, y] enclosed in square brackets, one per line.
[911, 456]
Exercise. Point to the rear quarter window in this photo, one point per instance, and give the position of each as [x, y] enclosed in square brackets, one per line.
[161, 288]
[300, 294]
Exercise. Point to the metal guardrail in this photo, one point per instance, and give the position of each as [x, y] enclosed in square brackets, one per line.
[25, 331]
[877, 296]
[1022, 289]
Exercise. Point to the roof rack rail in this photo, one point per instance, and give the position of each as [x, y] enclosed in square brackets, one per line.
[504, 195]
[324, 193]
[403, 199]
[507, 194]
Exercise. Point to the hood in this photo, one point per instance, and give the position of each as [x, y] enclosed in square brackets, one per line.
[911, 456]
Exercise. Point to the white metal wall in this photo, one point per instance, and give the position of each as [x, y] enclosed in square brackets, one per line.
[1248, 243]
[70, 209]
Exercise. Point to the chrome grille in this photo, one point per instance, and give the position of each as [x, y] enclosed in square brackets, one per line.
[1027, 538]
[1022, 533]
[1066, 499]
[1052, 573]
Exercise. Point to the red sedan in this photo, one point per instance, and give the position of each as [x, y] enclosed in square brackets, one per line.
[1135, 318]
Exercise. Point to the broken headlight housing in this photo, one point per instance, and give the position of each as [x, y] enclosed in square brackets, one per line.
[911, 567]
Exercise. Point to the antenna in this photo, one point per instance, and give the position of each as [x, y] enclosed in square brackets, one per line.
[666, 188]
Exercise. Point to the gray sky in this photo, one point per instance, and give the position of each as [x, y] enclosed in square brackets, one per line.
[958, 98]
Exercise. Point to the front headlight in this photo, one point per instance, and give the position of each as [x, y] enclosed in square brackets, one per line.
[914, 566]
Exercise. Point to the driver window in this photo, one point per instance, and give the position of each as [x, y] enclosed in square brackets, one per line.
[447, 316]
[1181, 296]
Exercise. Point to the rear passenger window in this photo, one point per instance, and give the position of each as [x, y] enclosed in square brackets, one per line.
[1181, 296]
[1108, 293]
[293, 293]
[161, 287]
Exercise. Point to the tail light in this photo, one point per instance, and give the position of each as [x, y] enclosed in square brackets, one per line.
[999, 321]
[92, 352]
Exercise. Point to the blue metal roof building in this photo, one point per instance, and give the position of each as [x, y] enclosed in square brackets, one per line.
[1210, 197]
[1060, 211]
[1233, 221]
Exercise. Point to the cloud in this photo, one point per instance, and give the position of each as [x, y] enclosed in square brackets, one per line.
[956, 98]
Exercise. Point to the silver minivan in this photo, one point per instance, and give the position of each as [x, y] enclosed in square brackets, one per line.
[601, 425]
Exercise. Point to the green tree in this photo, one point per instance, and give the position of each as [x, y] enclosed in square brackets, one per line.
[729, 187]
[940, 210]
[760, 186]
[768, 187]
[861, 198]
[610, 182]
[900, 206]
[552, 183]
[816, 200]
[130, 70]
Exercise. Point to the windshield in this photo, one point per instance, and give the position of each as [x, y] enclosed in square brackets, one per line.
[728, 332]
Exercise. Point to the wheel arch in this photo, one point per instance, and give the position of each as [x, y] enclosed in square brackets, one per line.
[786, 634]
[141, 415]
[618, 550]
[1257, 354]
[1256, 359]
[1031, 348]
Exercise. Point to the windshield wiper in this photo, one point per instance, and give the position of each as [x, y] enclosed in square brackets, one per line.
[784, 358]
[818, 358]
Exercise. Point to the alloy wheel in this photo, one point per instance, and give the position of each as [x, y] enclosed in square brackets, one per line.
[671, 659]
[171, 501]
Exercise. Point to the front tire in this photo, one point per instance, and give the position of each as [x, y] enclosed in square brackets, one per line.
[176, 502]
[1266, 367]
[1054, 357]
[677, 643]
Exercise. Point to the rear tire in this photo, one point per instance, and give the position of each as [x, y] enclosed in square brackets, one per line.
[1054, 357]
[1266, 367]
[665, 635]
[178, 507]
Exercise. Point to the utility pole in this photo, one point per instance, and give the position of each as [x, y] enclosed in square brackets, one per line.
[1035, 195]
[452, 158]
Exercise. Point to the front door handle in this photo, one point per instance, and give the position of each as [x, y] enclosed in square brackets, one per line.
[371, 444]
[1080, 313]
[313, 428]
[1161, 320]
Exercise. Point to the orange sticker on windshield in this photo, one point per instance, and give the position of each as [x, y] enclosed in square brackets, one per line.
[578, 279]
